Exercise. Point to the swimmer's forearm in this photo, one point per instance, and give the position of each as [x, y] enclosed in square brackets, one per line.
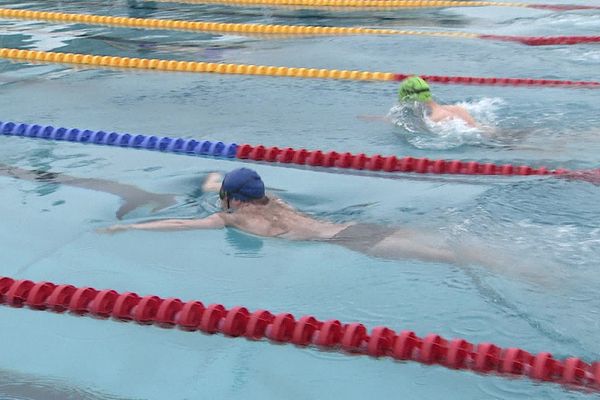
[212, 222]
[178, 224]
[165, 225]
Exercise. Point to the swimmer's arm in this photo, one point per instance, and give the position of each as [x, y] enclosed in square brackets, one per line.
[212, 183]
[215, 221]
[133, 197]
[463, 114]
[471, 121]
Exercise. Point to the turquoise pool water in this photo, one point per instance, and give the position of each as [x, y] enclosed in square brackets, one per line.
[545, 299]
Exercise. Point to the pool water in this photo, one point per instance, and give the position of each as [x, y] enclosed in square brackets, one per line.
[543, 299]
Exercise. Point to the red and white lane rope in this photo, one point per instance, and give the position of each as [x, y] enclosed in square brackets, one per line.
[333, 335]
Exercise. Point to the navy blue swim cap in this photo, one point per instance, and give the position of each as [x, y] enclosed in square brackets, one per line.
[243, 184]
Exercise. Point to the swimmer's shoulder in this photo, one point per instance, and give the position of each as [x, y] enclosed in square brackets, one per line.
[229, 218]
[277, 202]
[456, 111]
[453, 108]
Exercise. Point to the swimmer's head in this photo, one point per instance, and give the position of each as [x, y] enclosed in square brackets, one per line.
[414, 89]
[243, 185]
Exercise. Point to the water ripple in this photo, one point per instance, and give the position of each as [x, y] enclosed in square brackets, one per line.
[16, 386]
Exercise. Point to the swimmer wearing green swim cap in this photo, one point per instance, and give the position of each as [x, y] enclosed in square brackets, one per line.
[415, 89]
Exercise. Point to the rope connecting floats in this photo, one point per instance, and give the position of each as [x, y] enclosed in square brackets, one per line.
[381, 4]
[165, 144]
[264, 70]
[287, 156]
[543, 40]
[483, 358]
[284, 30]
[361, 161]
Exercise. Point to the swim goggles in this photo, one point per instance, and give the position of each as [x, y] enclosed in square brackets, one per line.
[417, 91]
[223, 194]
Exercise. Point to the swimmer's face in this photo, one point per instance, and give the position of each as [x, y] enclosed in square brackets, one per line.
[228, 203]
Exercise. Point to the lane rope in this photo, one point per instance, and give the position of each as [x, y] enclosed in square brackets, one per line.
[381, 4]
[214, 26]
[330, 335]
[283, 30]
[543, 40]
[350, 4]
[274, 155]
[264, 70]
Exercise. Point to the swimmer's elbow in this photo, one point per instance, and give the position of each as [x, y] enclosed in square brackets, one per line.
[215, 221]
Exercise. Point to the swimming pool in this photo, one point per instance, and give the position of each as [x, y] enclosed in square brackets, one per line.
[49, 230]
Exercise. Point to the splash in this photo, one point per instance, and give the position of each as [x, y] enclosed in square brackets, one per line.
[555, 23]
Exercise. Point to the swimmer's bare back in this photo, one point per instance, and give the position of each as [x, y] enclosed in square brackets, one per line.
[441, 113]
[278, 219]
[133, 197]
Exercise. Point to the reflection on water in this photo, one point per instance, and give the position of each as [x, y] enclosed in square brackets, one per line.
[246, 245]
[141, 9]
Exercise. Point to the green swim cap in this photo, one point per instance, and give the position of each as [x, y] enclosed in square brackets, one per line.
[414, 89]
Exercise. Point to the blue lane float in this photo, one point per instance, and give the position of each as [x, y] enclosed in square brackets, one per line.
[163, 143]
[335, 162]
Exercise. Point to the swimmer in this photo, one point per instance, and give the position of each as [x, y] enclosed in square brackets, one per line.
[248, 208]
[416, 91]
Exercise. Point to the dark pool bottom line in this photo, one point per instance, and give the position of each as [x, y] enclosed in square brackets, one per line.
[391, 165]
[352, 338]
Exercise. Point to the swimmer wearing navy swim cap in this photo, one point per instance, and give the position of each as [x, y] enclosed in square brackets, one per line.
[242, 185]
[249, 209]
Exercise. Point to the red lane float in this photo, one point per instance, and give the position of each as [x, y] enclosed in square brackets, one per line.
[353, 338]
[544, 40]
[333, 159]
[474, 80]
[562, 7]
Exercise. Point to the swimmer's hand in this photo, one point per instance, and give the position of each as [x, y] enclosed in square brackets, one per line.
[212, 183]
[113, 229]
